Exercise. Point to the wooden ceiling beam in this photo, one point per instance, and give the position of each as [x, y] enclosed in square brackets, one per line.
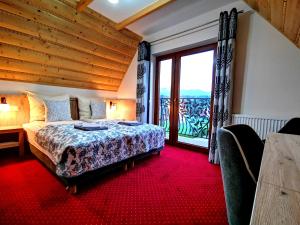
[142, 13]
[82, 4]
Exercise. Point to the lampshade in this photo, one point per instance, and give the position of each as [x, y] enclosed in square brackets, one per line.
[4, 107]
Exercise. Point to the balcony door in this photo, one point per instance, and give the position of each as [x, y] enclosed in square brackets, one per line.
[184, 95]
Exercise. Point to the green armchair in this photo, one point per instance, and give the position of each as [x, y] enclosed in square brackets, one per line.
[240, 150]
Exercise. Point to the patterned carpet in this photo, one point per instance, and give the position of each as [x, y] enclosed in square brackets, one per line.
[177, 187]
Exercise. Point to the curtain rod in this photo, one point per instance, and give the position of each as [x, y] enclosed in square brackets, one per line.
[193, 30]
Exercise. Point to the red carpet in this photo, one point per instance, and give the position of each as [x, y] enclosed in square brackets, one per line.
[177, 187]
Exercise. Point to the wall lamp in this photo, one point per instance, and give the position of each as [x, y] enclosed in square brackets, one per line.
[4, 107]
[112, 106]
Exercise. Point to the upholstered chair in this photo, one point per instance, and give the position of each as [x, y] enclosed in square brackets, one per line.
[291, 127]
[240, 150]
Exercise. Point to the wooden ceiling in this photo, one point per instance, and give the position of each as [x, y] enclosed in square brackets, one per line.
[143, 12]
[49, 42]
[282, 14]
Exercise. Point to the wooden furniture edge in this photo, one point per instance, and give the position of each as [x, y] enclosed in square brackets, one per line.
[20, 143]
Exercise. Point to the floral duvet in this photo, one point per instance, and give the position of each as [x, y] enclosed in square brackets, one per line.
[76, 152]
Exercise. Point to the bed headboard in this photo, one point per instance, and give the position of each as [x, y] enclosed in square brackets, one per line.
[74, 108]
[126, 110]
[21, 116]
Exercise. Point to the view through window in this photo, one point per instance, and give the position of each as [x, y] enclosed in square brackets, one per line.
[192, 97]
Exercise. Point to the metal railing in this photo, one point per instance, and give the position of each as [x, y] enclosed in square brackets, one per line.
[194, 116]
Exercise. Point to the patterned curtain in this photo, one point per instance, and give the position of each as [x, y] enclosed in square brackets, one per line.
[223, 79]
[143, 78]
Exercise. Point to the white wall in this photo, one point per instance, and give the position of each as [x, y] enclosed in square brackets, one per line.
[267, 75]
[11, 87]
[202, 29]
[202, 32]
[127, 89]
[203, 35]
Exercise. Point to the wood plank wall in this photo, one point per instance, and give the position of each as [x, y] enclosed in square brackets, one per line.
[18, 117]
[49, 42]
[282, 14]
[126, 109]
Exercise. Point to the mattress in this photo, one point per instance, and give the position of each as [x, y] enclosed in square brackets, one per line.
[75, 152]
[32, 128]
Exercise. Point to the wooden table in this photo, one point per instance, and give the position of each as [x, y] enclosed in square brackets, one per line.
[20, 143]
[277, 198]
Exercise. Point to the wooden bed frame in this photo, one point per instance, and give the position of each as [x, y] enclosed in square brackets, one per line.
[72, 183]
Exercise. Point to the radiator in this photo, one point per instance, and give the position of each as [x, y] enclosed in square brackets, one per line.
[261, 125]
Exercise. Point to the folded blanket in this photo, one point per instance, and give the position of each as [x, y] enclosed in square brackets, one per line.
[130, 123]
[90, 127]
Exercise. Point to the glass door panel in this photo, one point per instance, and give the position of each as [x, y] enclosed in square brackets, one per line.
[165, 79]
[194, 98]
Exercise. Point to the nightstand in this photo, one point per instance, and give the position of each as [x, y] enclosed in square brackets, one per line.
[20, 143]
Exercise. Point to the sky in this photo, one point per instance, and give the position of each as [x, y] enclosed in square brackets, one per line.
[196, 72]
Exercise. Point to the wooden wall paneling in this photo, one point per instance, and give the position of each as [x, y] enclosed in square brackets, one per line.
[43, 17]
[252, 3]
[292, 20]
[14, 52]
[15, 117]
[36, 44]
[104, 20]
[283, 15]
[35, 29]
[59, 8]
[44, 70]
[126, 109]
[277, 13]
[49, 42]
[265, 8]
[56, 81]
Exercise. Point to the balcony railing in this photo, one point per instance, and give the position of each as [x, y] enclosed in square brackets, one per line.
[194, 116]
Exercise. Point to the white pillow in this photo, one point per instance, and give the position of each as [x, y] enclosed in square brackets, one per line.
[36, 104]
[98, 109]
[57, 110]
[84, 105]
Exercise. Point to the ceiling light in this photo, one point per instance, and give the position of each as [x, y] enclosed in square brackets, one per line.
[114, 1]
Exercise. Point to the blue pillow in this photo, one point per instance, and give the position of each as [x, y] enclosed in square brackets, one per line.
[57, 110]
[98, 110]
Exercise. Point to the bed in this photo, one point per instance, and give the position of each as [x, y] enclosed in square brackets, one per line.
[75, 155]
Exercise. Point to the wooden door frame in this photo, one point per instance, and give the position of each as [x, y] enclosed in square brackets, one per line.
[157, 94]
[174, 98]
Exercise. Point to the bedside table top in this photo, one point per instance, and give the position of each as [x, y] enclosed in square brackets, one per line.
[6, 129]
